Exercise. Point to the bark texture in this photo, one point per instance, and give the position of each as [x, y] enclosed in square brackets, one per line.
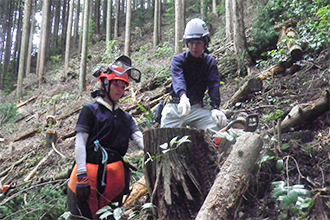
[179, 181]
[233, 180]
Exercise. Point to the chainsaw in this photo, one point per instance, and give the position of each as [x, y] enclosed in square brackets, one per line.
[236, 128]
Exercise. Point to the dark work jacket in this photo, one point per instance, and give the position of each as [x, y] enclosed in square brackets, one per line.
[194, 76]
[111, 129]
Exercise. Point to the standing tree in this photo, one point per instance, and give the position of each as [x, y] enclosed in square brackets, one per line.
[109, 25]
[32, 29]
[116, 31]
[68, 39]
[240, 45]
[157, 23]
[43, 40]
[24, 47]
[83, 60]
[76, 23]
[128, 28]
[179, 9]
[229, 20]
[214, 7]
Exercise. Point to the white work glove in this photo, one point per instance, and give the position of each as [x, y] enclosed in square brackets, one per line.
[219, 117]
[184, 105]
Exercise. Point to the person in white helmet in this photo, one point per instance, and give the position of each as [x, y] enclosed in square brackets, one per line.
[193, 73]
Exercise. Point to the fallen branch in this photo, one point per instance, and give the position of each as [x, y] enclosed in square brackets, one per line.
[27, 101]
[68, 115]
[14, 164]
[31, 174]
[59, 153]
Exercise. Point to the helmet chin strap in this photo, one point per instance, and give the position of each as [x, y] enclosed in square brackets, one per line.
[108, 96]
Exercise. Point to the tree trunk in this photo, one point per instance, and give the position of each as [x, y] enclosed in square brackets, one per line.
[178, 26]
[109, 23]
[214, 7]
[44, 39]
[233, 180]
[127, 49]
[116, 31]
[76, 23]
[30, 48]
[24, 47]
[179, 180]
[68, 40]
[229, 20]
[83, 61]
[157, 17]
[240, 45]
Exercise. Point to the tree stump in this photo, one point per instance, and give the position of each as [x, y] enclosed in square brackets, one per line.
[179, 180]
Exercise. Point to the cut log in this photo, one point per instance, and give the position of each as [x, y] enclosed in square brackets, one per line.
[179, 180]
[34, 171]
[139, 189]
[305, 113]
[30, 133]
[233, 180]
[51, 137]
[26, 102]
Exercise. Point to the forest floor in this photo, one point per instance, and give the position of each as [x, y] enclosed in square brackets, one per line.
[306, 157]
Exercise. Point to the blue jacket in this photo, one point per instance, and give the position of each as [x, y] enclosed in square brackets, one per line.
[194, 76]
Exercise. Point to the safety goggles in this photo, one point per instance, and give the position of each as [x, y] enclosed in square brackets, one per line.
[132, 72]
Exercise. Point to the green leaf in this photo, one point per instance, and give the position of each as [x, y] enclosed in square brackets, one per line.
[105, 215]
[285, 147]
[104, 209]
[172, 142]
[118, 213]
[164, 146]
[148, 205]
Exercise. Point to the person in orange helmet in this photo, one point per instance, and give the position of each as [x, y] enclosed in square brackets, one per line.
[103, 132]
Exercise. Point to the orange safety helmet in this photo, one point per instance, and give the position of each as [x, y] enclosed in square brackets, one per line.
[110, 73]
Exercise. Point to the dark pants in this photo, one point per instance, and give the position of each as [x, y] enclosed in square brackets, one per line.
[78, 208]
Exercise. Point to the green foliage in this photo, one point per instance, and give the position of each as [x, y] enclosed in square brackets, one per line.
[273, 116]
[168, 147]
[148, 115]
[8, 113]
[164, 50]
[294, 201]
[110, 53]
[60, 97]
[142, 54]
[170, 12]
[56, 59]
[312, 27]
[48, 203]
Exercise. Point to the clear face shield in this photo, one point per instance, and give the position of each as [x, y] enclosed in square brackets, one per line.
[132, 72]
[123, 62]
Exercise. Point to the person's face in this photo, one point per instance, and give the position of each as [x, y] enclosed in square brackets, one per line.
[196, 48]
[117, 89]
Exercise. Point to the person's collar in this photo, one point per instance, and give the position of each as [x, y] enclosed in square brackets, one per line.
[107, 105]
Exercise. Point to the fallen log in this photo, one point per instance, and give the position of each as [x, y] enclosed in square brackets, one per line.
[304, 113]
[26, 102]
[233, 180]
[68, 115]
[30, 133]
[139, 189]
[179, 180]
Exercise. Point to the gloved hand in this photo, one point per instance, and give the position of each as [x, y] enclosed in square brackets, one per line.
[184, 105]
[219, 117]
[83, 189]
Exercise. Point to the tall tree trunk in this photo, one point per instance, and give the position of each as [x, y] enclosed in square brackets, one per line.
[32, 29]
[56, 26]
[43, 40]
[24, 47]
[9, 42]
[68, 40]
[240, 45]
[97, 16]
[105, 16]
[116, 30]
[157, 23]
[229, 20]
[178, 26]
[203, 9]
[64, 24]
[109, 23]
[214, 7]
[83, 61]
[18, 39]
[76, 23]
[127, 49]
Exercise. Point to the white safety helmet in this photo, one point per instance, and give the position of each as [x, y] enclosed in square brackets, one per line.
[195, 28]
